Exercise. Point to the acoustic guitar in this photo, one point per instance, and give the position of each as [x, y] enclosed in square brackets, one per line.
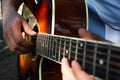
[57, 23]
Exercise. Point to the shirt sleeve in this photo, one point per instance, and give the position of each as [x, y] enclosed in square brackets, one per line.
[108, 11]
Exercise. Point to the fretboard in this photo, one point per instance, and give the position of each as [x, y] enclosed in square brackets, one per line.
[98, 58]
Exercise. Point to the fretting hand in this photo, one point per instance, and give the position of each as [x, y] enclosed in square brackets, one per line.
[74, 72]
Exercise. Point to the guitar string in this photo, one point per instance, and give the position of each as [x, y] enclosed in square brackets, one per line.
[81, 54]
[97, 58]
[98, 65]
[79, 48]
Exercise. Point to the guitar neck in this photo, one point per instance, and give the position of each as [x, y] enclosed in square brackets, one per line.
[96, 57]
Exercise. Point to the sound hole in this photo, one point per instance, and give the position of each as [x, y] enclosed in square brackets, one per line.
[33, 40]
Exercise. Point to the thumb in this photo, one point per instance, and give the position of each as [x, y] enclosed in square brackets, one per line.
[28, 29]
[84, 34]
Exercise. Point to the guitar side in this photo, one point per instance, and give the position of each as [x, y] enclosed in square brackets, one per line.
[53, 17]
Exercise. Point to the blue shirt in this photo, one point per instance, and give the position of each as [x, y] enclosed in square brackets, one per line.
[104, 18]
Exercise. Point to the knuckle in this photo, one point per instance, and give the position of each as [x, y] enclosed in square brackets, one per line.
[13, 48]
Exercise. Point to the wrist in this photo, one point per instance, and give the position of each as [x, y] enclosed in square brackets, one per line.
[8, 5]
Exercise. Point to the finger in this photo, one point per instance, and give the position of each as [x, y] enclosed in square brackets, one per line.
[65, 62]
[84, 34]
[10, 41]
[64, 77]
[28, 29]
[22, 50]
[76, 66]
[66, 70]
[79, 73]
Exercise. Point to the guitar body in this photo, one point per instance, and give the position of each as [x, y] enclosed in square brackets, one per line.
[59, 17]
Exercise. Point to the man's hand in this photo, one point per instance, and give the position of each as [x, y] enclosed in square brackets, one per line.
[74, 72]
[13, 25]
[87, 35]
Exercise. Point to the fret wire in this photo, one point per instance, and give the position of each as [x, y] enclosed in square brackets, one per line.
[70, 49]
[67, 48]
[76, 51]
[44, 44]
[108, 62]
[59, 49]
[49, 46]
[37, 45]
[64, 53]
[40, 44]
[47, 43]
[55, 48]
[102, 53]
[43, 51]
[103, 67]
[52, 50]
[109, 69]
[113, 63]
[94, 60]
[84, 55]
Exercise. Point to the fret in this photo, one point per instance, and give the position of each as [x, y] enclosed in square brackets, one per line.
[90, 58]
[108, 63]
[58, 48]
[114, 71]
[37, 46]
[73, 49]
[97, 58]
[50, 44]
[40, 37]
[67, 47]
[43, 45]
[101, 60]
[76, 51]
[84, 55]
[94, 60]
[47, 45]
[60, 42]
[70, 49]
[80, 51]
[51, 53]
[52, 48]
[64, 47]
[55, 48]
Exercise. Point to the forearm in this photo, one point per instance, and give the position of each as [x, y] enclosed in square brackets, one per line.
[10, 5]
